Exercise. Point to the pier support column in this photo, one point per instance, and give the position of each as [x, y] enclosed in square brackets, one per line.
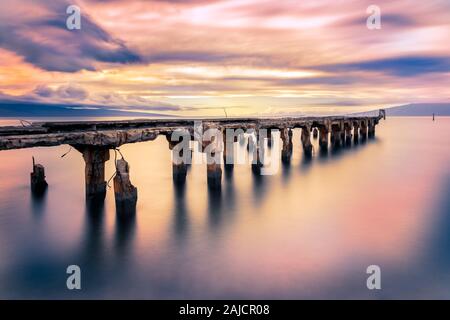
[229, 138]
[336, 136]
[306, 141]
[125, 193]
[286, 151]
[258, 153]
[356, 132]
[371, 129]
[181, 155]
[348, 134]
[94, 158]
[269, 138]
[38, 183]
[315, 133]
[323, 138]
[363, 130]
[213, 146]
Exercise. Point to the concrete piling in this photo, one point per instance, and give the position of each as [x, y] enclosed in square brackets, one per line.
[315, 133]
[94, 158]
[348, 134]
[125, 193]
[306, 141]
[356, 132]
[286, 151]
[323, 139]
[213, 146]
[37, 176]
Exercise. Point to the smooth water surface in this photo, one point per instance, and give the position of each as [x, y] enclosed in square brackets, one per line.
[309, 231]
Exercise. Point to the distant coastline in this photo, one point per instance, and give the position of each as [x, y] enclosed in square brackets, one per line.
[19, 109]
[15, 109]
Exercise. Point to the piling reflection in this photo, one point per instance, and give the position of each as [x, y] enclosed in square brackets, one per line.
[180, 212]
[94, 228]
[38, 203]
[215, 207]
[124, 233]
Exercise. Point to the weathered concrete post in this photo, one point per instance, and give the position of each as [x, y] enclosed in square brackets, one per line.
[252, 142]
[38, 183]
[342, 137]
[315, 133]
[125, 193]
[371, 129]
[356, 132]
[323, 138]
[179, 159]
[286, 151]
[336, 135]
[212, 146]
[94, 158]
[306, 141]
[363, 130]
[269, 138]
[348, 133]
[228, 149]
[258, 153]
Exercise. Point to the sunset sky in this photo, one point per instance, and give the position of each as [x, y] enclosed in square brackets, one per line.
[197, 57]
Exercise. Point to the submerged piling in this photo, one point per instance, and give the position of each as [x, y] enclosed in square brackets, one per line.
[37, 176]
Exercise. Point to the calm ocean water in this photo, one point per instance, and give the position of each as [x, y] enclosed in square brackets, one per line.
[309, 231]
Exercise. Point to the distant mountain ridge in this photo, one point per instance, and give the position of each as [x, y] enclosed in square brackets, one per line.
[419, 110]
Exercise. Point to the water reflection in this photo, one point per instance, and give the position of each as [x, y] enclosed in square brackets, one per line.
[215, 208]
[180, 212]
[39, 203]
[312, 225]
[93, 244]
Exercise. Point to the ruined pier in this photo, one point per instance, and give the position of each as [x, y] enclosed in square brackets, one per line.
[94, 140]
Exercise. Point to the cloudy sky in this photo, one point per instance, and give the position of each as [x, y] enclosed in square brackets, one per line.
[197, 57]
